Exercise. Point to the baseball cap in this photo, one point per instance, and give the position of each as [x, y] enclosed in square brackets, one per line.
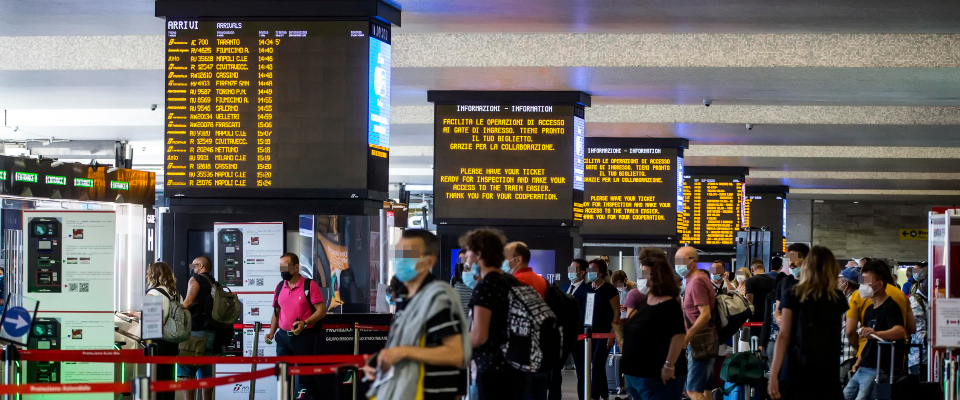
[851, 274]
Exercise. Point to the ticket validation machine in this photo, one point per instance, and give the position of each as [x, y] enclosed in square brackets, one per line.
[45, 256]
[45, 336]
[230, 255]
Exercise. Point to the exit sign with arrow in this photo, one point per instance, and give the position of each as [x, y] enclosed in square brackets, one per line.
[913, 234]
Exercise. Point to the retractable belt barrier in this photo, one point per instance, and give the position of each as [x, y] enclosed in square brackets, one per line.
[137, 357]
[583, 336]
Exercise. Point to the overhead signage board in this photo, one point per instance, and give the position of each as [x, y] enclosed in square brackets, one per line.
[634, 187]
[712, 206]
[47, 179]
[508, 163]
[277, 109]
[766, 206]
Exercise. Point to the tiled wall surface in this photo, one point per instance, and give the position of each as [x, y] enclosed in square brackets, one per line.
[869, 230]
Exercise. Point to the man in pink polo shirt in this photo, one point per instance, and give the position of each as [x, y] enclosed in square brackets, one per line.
[296, 310]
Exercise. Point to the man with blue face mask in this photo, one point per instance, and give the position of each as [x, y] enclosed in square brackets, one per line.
[428, 348]
[796, 252]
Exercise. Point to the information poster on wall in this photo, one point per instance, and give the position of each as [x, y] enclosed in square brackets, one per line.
[70, 259]
[248, 255]
[70, 331]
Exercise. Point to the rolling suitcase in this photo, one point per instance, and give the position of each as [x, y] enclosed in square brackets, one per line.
[615, 381]
[750, 370]
[904, 386]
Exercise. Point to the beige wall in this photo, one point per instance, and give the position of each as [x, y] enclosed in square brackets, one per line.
[869, 230]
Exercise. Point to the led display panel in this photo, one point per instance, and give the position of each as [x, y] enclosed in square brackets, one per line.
[712, 207]
[763, 208]
[277, 109]
[633, 187]
[508, 162]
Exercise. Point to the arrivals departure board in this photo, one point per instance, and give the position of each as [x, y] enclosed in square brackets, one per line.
[276, 109]
[633, 187]
[508, 162]
[769, 210]
[712, 207]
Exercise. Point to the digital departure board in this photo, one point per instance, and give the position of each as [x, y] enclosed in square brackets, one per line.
[277, 109]
[633, 187]
[766, 206]
[508, 162]
[712, 206]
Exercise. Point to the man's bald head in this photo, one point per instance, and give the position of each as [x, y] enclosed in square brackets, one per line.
[688, 254]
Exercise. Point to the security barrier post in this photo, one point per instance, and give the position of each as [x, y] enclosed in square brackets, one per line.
[10, 358]
[356, 351]
[141, 388]
[587, 361]
[253, 367]
[283, 382]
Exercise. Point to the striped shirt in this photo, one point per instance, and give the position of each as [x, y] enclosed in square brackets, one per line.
[465, 293]
[439, 382]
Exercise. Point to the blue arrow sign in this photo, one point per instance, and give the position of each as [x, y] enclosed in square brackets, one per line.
[17, 321]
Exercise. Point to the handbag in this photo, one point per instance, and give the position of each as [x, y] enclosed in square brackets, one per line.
[703, 345]
[193, 347]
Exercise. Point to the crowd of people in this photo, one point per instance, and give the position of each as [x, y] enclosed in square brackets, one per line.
[448, 341]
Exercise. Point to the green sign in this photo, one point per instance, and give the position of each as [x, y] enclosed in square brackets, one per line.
[81, 182]
[117, 185]
[26, 177]
[56, 180]
[3, 175]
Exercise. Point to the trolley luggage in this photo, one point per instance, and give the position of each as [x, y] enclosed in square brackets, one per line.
[743, 374]
[891, 385]
[615, 382]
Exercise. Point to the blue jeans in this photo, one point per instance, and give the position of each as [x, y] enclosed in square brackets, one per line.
[654, 389]
[199, 371]
[699, 374]
[537, 385]
[861, 384]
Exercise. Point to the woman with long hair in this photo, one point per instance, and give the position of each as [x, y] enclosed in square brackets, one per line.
[161, 282]
[742, 275]
[806, 350]
[654, 335]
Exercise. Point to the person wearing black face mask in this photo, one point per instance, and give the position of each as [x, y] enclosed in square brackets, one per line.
[297, 308]
[200, 303]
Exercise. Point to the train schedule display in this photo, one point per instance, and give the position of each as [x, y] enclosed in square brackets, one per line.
[713, 207]
[767, 208]
[508, 162]
[633, 187]
[276, 108]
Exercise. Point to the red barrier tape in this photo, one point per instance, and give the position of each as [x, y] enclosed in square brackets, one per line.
[753, 324]
[372, 328]
[137, 357]
[597, 336]
[169, 386]
[318, 369]
[58, 388]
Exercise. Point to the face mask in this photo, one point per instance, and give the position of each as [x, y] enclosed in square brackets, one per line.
[916, 275]
[621, 287]
[642, 286]
[406, 268]
[389, 299]
[506, 266]
[470, 279]
[741, 278]
[591, 276]
[681, 270]
[716, 277]
[286, 276]
[795, 272]
[572, 276]
[866, 291]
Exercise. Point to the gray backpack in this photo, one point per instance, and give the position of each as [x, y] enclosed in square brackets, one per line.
[226, 305]
[177, 325]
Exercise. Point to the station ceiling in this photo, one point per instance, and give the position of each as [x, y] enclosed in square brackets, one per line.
[849, 101]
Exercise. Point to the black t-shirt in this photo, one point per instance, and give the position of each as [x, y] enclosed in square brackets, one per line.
[814, 342]
[784, 287]
[200, 309]
[882, 318]
[492, 292]
[759, 286]
[439, 382]
[647, 338]
[602, 312]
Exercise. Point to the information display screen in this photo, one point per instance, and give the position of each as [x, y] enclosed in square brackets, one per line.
[769, 210]
[712, 208]
[631, 189]
[508, 162]
[296, 105]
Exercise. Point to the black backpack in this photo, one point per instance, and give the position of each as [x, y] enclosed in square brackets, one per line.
[567, 310]
[306, 296]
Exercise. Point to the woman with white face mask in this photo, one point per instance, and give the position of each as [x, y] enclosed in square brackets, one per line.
[624, 286]
[742, 275]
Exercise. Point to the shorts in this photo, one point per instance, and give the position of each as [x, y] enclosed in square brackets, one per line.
[199, 371]
[699, 374]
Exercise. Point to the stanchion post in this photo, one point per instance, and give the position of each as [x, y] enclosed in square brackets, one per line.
[141, 388]
[150, 350]
[587, 361]
[356, 351]
[10, 357]
[283, 382]
[256, 347]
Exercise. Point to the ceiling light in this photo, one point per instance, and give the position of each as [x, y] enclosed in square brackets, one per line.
[856, 202]
[419, 188]
[818, 201]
